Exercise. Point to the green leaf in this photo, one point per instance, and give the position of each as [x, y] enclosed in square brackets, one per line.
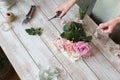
[30, 31]
[38, 31]
[66, 35]
[62, 35]
[33, 31]
[89, 38]
[66, 28]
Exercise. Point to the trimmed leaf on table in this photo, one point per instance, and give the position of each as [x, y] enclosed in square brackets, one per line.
[33, 31]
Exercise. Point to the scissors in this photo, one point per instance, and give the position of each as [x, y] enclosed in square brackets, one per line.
[29, 16]
[57, 15]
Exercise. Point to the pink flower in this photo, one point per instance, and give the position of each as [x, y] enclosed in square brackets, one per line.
[68, 46]
[82, 48]
[59, 43]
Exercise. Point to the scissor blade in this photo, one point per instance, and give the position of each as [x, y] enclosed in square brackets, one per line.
[57, 15]
[26, 20]
[52, 18]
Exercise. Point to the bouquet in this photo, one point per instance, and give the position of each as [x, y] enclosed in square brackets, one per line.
[74, 42]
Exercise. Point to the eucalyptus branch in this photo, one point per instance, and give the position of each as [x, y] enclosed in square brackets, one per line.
[83, 9]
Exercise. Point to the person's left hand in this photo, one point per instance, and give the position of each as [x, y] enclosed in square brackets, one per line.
[110, 25]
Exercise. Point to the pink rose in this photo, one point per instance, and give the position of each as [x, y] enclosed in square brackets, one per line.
[82, 48]
[68, 46]
[59, 43]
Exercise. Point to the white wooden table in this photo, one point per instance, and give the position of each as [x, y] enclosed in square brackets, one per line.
[30, 54]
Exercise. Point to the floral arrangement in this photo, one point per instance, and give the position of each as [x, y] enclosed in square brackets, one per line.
[74, 42]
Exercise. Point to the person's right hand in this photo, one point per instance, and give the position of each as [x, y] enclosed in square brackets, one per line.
[64, 7]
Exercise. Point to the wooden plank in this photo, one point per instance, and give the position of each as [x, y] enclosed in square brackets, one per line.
[97, 58]
[18, 56]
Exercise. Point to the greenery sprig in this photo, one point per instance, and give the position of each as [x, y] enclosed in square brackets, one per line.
[83, 9]
[75, 32]
[34, 31]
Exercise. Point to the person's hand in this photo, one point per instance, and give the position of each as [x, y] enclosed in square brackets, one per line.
[64, 7]
[110, 25]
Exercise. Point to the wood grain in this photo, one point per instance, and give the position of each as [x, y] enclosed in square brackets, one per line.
[30, 54]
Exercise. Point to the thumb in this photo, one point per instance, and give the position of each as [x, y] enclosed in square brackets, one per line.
[111, 29]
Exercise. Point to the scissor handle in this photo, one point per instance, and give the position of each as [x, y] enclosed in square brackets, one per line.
[31, 11]
[58, 13]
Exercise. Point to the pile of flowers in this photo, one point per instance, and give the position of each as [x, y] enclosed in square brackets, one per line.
[75, 50]
[74, 42]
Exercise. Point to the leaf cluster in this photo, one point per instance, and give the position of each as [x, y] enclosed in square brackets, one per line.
[33, 31]
[75, 32]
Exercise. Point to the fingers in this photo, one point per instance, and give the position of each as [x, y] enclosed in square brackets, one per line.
[62, 14]
[58, 9]
[106, 28]
[103, 26]
[111, 28]
[63, 8]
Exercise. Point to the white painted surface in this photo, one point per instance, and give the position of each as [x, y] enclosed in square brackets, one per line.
[29, 54]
